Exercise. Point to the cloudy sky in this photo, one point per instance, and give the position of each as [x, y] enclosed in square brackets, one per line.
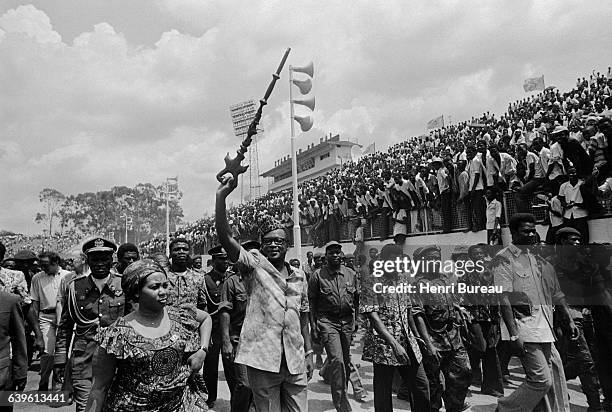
[95, 94]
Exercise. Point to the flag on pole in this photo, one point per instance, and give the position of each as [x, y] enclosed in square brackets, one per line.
[533, 83]
[369, 150]
[436, 123]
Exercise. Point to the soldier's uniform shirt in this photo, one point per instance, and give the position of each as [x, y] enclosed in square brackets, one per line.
[234, 300]
[213, 282]
[331, 293]
[439, 311]
[520, 271]
[89, 309]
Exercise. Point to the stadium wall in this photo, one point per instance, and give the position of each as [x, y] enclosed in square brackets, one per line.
[600, 231]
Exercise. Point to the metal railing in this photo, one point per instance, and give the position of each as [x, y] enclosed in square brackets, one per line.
[430, 220]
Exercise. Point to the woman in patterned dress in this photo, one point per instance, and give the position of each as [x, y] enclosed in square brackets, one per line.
[389, 341]
[148, 360]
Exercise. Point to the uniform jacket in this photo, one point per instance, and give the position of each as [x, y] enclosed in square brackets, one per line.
[88, 309]
[12, 339]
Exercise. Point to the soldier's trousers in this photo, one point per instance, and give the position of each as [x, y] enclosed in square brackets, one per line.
[602, 322]
[81, 389]
[211, 368]
[578, 362]
[238, 382]
[336, 337]
[455, 366]
[354, 378]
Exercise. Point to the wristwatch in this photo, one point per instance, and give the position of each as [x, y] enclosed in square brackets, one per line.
[514, 338]
[205, 349]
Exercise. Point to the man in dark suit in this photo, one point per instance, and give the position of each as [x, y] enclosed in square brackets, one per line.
[13, 369]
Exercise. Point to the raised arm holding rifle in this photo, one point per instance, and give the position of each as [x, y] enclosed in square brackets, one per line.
[275, 338]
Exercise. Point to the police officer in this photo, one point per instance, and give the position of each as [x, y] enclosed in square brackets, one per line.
[231, 312]
[95, 300]
[438, 323]
[213, 281]
[331, 293]
[576, 275]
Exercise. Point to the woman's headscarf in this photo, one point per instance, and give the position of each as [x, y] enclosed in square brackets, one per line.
[135, 275]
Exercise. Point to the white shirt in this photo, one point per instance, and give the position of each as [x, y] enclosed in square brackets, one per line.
[556, 156]
[474, 167]
[494, 209]
[398, 227]
[572, 194]
[606, 187]
[544, 159]
[534, 159]
[555, 204]
[442, 177]
[44, 288]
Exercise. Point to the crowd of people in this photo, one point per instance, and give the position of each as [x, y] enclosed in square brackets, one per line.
[438, 182]
[131, 329]
[146, 333]
[15, 242]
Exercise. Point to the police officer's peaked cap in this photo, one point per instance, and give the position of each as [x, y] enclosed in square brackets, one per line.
[564, 231]
[250, 245]
[217, 252]
[99, 244]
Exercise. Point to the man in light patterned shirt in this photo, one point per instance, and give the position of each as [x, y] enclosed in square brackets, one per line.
[275, 342]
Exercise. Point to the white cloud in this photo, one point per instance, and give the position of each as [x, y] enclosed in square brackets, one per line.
[97, 111]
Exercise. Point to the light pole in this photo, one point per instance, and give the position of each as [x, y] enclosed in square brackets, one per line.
[169, 181]
[305, 124]
[126, 226]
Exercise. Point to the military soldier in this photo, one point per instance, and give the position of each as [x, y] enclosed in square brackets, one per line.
[577, 277]
[232, 311]
[331, 293]
[438, 323]
[95, 300]
[213, 282]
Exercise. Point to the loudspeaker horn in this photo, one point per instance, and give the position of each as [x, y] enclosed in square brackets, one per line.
[305, 86]
[308, 69]
[305, 122]
[310, 102]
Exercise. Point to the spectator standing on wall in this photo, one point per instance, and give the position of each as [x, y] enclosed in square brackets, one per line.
[446, 196]
[571, 198]
[494, 209]
[475, 204]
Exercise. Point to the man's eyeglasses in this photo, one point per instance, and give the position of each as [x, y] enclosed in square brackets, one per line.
[270, 240]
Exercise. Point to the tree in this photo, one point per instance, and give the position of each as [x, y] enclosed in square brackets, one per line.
[101, 212]
[51, 199]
